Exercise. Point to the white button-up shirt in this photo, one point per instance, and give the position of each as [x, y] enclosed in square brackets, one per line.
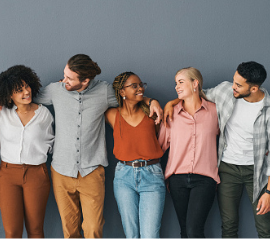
[27, 144]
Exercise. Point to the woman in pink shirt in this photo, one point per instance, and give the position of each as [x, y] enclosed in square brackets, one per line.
[192, 170]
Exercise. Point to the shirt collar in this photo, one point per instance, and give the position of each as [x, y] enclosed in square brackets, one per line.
[204, 105]
[37, 110]
[90, 86]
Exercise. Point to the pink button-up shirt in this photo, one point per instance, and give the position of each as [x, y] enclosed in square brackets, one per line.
[192, 141]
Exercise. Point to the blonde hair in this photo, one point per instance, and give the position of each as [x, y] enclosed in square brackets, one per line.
[194, 74]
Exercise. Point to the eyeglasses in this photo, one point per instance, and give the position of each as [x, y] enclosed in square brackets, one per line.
[135, 86]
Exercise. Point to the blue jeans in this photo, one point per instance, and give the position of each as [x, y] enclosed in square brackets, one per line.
[140, 196]
[193, 196]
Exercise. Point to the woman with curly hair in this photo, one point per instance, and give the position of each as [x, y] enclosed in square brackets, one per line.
[139, 186]
[26, 136]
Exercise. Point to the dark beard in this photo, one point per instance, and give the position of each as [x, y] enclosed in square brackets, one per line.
[242, 95]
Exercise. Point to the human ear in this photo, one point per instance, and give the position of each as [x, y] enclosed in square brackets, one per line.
[254, 88]
[195, 83]
[86, 81]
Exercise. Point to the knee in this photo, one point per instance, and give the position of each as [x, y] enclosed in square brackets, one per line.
[230, 229]
[195, 232]
[35, 232]
[13, 233]
[93, 230]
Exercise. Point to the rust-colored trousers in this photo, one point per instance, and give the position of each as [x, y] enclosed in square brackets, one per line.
[85, 194]
[24, 192]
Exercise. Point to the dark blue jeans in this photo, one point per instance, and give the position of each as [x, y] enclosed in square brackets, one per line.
[193, 196]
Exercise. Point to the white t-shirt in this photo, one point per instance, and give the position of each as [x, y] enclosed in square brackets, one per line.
[239, 133]
[27, 144]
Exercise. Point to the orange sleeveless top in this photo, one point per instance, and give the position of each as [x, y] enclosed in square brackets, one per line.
[138, 142]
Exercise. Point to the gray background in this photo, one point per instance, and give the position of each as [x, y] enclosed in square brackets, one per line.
[153, 38]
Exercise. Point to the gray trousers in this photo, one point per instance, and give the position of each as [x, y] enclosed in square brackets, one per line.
[233, 179]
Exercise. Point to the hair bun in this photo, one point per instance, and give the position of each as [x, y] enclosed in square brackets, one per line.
[98, 70]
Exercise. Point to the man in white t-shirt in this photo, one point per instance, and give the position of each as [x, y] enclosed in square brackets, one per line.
[244, 161]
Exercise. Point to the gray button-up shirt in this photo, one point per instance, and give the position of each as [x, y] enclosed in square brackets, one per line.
[80, 144]
[222, 95]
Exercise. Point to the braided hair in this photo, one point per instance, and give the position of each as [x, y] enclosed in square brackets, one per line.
[118, 85]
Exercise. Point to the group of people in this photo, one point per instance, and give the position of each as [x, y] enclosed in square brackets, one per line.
[238, 114]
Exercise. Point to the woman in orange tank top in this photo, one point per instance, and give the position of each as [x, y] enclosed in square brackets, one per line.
[139, 186]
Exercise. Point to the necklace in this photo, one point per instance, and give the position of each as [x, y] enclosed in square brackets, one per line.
[25, 111]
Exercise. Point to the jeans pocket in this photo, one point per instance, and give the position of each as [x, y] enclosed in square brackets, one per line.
[155, 169]
[119, 166]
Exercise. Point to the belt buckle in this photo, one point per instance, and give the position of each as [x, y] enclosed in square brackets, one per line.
[133, 164]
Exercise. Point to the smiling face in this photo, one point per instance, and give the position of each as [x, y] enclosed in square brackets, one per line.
[132, 89]
[183, 85]
[241, 89]
[72, 82]
[23, 96]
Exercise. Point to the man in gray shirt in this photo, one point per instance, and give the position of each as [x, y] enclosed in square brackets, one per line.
[80, 155]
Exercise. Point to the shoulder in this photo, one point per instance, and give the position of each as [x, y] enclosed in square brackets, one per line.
[266, 97]
[225, 85]
[45, 112]
[102, 86]
[210, 104]
[4, 110]
[110, 115]
[54, 85]
[100, 83]
[211, 107]
[111, 112]
[178, 107]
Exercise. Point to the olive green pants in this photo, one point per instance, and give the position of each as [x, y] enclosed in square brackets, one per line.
[233, 180]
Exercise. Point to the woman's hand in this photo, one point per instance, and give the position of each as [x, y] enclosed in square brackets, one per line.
[155, 108]
[168, 110]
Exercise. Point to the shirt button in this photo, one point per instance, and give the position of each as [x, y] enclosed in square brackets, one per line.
[78, 125]
[77, 162]
[79, 113]
[80, 101]
[78, 138]
[78, 150]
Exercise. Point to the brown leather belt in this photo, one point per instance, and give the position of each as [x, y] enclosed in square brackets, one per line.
[137, 163]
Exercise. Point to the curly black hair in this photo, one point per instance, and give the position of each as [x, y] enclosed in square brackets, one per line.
[253, 72]
[12, 80]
